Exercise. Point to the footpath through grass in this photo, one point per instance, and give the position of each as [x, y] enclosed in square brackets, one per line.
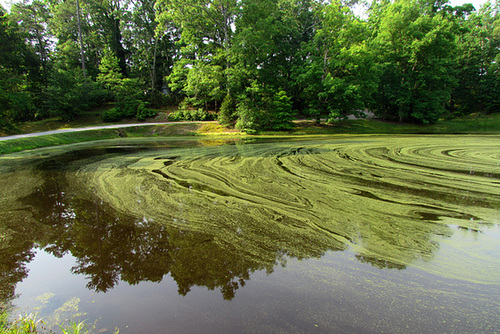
[163, 130]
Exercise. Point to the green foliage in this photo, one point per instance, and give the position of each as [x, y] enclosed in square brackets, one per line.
[74, 328]
[18, 68]
[69, 94]
[109, 72]
[129, 94]
[191, 115]
[260, 61]
[263, 109]
[31, 324]
[28, 324]
[281, 108]
[227, 111]
[203, 84]
[143, 112]
[416, 51]
[247, 117]
[113, 115]
[118, 113]
[478, 62]
[341, 76]
[14, 100]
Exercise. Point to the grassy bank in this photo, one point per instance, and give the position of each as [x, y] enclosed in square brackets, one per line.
[191, 129]
[473, 124]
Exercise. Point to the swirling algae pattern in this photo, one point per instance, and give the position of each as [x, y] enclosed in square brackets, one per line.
[391, 200]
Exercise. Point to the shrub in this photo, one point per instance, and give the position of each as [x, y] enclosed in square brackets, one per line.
[190, 115]
[227, 111]
[143, 112]
[113, 115]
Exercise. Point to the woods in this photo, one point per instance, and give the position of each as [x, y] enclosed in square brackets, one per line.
[254, 64]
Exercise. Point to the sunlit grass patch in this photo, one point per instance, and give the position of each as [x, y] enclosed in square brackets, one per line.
[215, 128]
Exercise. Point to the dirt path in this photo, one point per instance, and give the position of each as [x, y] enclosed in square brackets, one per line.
[114, 126]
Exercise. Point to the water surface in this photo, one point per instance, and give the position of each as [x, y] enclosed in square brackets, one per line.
[328, 234]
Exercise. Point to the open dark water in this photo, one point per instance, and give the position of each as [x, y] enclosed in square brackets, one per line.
[338, 234]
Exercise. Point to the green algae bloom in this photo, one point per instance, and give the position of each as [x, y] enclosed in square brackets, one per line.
[392, 200]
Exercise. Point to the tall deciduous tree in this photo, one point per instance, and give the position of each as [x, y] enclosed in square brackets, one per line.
[338, 74]
[206, 38]
[151, 46]
[478, 59]
[18, 65]
[33, 19]
[416, 47]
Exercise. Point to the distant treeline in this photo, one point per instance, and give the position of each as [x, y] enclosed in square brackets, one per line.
[257, 63]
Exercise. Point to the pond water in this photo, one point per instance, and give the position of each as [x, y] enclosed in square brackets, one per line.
[341, 234]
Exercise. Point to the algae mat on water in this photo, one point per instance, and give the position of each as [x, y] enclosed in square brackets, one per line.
[394, 201]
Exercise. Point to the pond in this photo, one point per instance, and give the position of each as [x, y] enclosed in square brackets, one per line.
[320, 234]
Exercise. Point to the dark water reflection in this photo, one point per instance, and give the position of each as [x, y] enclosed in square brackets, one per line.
[410, 246]
[110, 247]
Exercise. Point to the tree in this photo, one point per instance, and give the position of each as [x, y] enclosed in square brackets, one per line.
[151, 46]
[206, 39]
[416, 50]
[67, 94]
[17, 62]
[33, 19]
[204, 84]
[67, 26]
[477, 61]
[338, 75]
[106, 17]
[127, 92]
[264, 55]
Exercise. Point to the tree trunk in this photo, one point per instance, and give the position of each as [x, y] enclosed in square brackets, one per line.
[80, 39]
[153, 71]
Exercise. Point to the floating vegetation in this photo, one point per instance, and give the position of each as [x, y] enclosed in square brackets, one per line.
[391, 199]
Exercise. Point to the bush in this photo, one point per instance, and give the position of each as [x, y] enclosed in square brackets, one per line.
[113, 115]
[190, 115]
[227, 111]
[143, 112]
[281, 109]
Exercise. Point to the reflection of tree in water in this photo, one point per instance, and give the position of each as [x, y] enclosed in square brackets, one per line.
[379, 263]
[14, 255]
[109, 247]
[16, 234]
